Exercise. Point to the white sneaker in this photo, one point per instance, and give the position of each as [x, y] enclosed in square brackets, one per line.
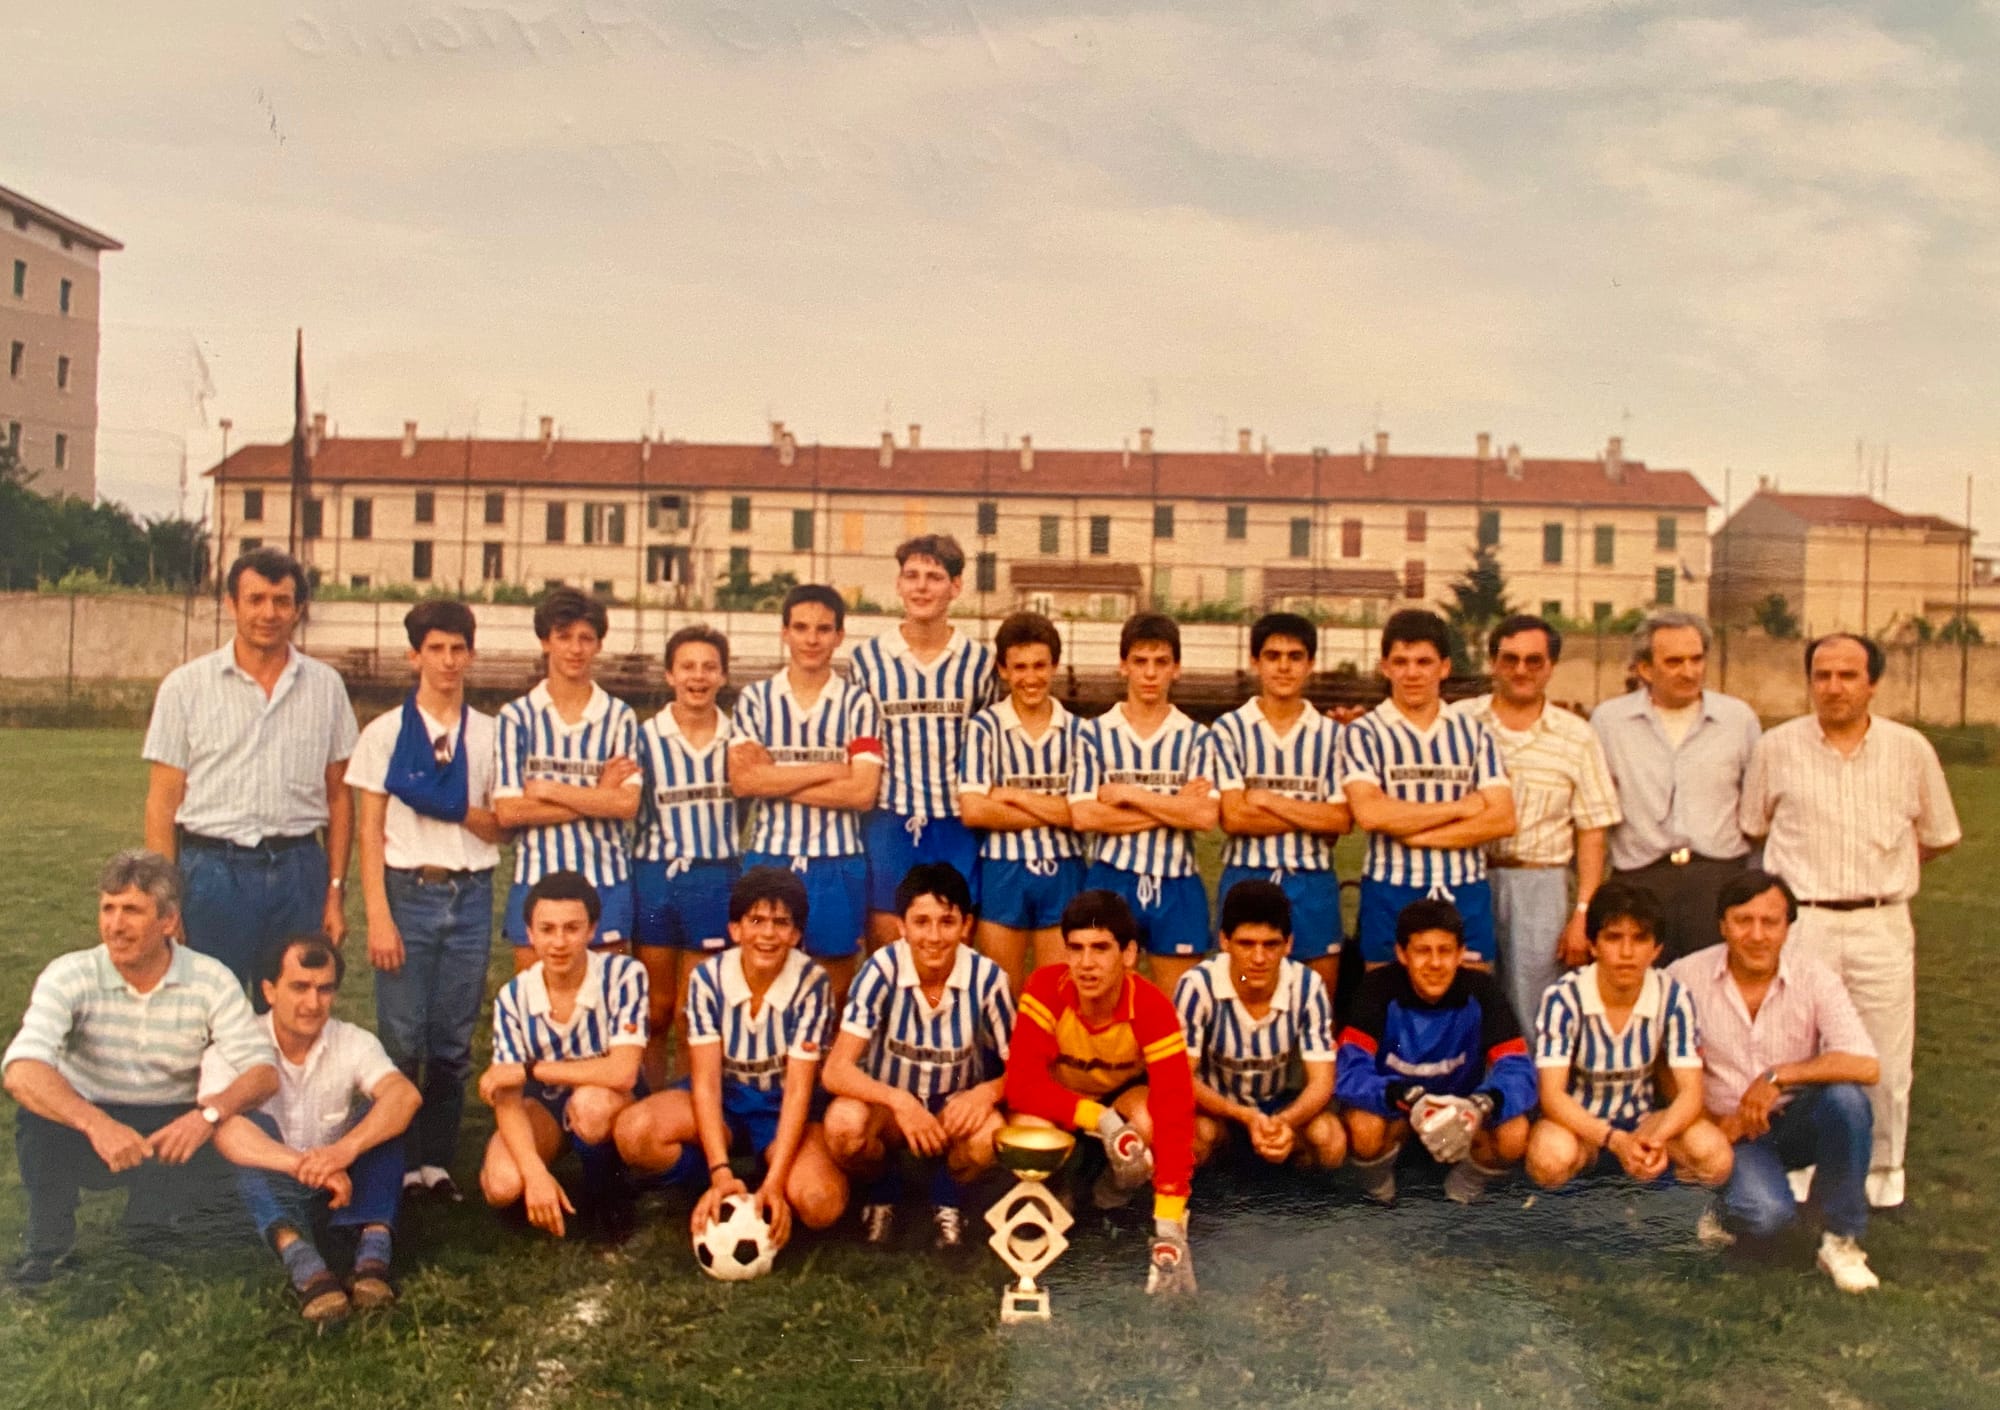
[1885, 1188]
[1845, 1263]
[878, 1224]
[1801, 1182]
[1710, 1232]
[948, 1226]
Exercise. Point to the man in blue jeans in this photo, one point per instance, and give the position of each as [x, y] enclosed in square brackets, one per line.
[1787, 1059]
[329, 1143]
[429, 842]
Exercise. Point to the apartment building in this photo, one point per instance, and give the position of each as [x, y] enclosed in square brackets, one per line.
[48, 331]
[1842, 562]
[1082, 533]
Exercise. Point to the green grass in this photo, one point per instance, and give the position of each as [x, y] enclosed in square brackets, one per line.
[1309, 1299]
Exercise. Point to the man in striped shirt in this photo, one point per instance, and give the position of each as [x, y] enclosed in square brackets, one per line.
[807, 746]
[569, 1034]
[1613, 1041]
[567, 776]
[927, 678]
[1432, 1047]
[107, 1062]
[1099, 1049]
[757, 1019]
[248, 748]
[1429, 788]
[1013, 785]
[1563, 805]
[1252, 1016]
[1850, 807]
[921, 1058]
[1276, 765]
[684, 853]
[1144, 783]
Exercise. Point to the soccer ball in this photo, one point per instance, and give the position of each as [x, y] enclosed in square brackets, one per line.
[737, 1246]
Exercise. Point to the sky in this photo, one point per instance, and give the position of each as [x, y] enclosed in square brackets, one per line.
[1756, 239]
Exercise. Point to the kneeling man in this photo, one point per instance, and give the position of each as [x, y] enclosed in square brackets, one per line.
[569, 1033]
[330, 1143]
[921, 1057]
[1099, 1049]
[1432, 1046]
[757, 1016]
[1604, 1034]
[1253, 1016]
[1789, 1065]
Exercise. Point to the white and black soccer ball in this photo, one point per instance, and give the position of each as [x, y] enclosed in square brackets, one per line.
[737, 1246]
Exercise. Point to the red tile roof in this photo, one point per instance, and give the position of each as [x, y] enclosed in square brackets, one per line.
[1332, 582]
[1855, 511]
[1074, 577]
[1169, 475]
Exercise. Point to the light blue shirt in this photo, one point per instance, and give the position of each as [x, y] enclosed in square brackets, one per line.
[1676, 797]
[255, 767]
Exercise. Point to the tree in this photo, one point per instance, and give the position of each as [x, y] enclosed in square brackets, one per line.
[739, 592]
[1961, 629]
[49, 540]
[1775, 616]
[1478, 604]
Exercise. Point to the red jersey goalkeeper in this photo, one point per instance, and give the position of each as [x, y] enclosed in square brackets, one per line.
[1099, 1049]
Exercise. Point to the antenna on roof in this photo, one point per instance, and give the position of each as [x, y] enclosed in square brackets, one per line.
[650, 426]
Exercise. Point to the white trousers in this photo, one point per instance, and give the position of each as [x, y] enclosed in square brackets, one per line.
[1875, 954]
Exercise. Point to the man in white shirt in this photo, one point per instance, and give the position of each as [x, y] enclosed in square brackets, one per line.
[1849, 807]
[423, 774]
[329, 1143]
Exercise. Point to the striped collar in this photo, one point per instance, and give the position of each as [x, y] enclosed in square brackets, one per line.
[894, 643]
[906, 968]
[1252, 711]
[589, 994]
[594, 709]
[1224, 985]
[1392, 712]
[1173, 724]
[668, 727]
[180, 971]
[1592, 998]
[736, 988]
[830, 694]
[1010, 718]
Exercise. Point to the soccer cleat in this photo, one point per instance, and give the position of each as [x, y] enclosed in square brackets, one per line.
[1710, 1232]
[1842, 1260]
[878, 1224]
[949, 1229]
[439, 1185]
[1107, 1193]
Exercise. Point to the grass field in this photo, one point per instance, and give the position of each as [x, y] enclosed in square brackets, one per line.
[1599, 1298]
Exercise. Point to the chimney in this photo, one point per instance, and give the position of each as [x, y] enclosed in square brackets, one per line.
[1614, 457]
[916, 435]
[777, 434]
[1367, 459]
[1125, 455]
[886, 456]
[1485, 444]
[1381, 443]
[548, 434]
[1270, 456]
[1027, 452]
[1763, 483]
[317, 434]
[1243, 440]
[1145, 440]
[409, 439]
[1513, 460]
[645, 448]
[788, 448]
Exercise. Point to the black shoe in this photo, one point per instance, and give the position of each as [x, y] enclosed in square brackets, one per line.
[445, 1190]
[615, 1221]
[35, 1271]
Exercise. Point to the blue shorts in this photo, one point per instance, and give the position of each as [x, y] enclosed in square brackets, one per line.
[751, 1117]
[1383, 901]
[614, 922]
[686, 908]
[1173, 922]
[1028, 895]
[836, 900]
[1315, 898]
[892, 851]
[555, 1101]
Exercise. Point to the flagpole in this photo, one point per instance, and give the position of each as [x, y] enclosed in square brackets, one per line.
[300, 465]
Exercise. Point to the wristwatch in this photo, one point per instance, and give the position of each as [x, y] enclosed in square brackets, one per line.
[211, 1115]
[1770, 1074]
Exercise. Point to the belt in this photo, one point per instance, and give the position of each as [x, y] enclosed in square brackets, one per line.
[1681, 856]
[262, 844]
[434, 876]
[1869, 904]
[1513, 864]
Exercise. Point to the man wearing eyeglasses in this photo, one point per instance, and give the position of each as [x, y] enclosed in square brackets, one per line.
[1564, 805]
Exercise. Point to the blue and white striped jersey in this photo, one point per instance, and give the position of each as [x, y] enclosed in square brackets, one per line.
[842, 724]
[1303, 764]
[688, 810]
[1109, 751]
[924, 710]
[1457, 755]
[931, 1052]
[1250, 1059]
[531, 742]
[610, 1013]
[791, 1023]
[999, 753]
[1611, 1074]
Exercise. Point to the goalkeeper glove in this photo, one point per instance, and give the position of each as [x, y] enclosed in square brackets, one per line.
[1131, 1159]
[1172, 1269]
[1403, 1093]
[1445, 1126]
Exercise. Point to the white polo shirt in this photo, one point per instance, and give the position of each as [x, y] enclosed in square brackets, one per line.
[318, 1100]
[411, 839]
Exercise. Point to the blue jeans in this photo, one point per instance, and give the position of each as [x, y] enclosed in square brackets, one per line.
[57, 1162]
[1831, 1127]
[236, 901]
[272, 1199]
[425, 1011]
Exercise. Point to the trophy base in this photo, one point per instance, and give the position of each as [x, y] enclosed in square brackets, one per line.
[1026, 1303]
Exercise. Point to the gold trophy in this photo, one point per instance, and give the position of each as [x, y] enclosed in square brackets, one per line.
[1029, 1222]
